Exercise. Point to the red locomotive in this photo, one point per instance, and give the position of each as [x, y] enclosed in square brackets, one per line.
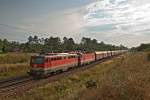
[47, 64]
[43, 65]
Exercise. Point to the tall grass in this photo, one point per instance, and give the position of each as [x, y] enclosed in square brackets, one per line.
[10, 70]
[13, 64]
[13, 58]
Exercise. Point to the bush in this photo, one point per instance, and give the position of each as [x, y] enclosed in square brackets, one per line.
[148, 57]
[91, 83]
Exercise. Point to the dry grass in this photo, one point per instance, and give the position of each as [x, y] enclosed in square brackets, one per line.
[123, 78]
[10, 70]
[13, 64]
[13, 58]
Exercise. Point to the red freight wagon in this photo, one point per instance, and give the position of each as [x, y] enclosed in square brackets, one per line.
[47, 64]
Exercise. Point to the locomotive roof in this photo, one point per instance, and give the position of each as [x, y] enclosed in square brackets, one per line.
[57, 55]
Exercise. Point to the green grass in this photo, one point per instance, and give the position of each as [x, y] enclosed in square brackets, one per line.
[123, 78]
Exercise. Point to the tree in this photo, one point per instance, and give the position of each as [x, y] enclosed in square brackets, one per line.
[52, 44]
[6, 45]
[144, 47]
[87, 44]
[68, 44]
[3, 49]
[30, 39]
[36, 39]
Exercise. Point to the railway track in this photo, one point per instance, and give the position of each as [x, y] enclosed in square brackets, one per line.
[13, 81]
[18, 85]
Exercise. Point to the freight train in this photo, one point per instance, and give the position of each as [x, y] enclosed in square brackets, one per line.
[47, 64]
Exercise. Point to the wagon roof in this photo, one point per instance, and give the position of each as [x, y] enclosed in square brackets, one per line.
[99, 52]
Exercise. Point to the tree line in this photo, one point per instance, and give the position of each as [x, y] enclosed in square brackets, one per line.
[55, 44]
[142, 47]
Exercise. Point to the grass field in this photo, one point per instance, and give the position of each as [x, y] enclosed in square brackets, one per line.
[12, 64]
[123, 78]
[14, 58]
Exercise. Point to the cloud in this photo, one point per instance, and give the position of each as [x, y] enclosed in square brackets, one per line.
[61, 23]
[129, 17]
[114, 21]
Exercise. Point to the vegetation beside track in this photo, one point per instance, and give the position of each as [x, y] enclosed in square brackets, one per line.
[12, 70]
[12, 64]
[123, 78]
[14, 58]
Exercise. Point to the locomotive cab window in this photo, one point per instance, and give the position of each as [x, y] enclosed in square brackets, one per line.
[37, 60]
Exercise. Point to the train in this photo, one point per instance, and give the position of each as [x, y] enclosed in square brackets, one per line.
[43, 65]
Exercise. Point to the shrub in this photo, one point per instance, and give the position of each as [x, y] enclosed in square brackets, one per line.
[148, 56]
[91, 83]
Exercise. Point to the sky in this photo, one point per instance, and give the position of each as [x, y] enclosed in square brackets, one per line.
[117, 22]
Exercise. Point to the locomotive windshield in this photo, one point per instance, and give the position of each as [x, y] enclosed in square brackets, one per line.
[37, 60]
